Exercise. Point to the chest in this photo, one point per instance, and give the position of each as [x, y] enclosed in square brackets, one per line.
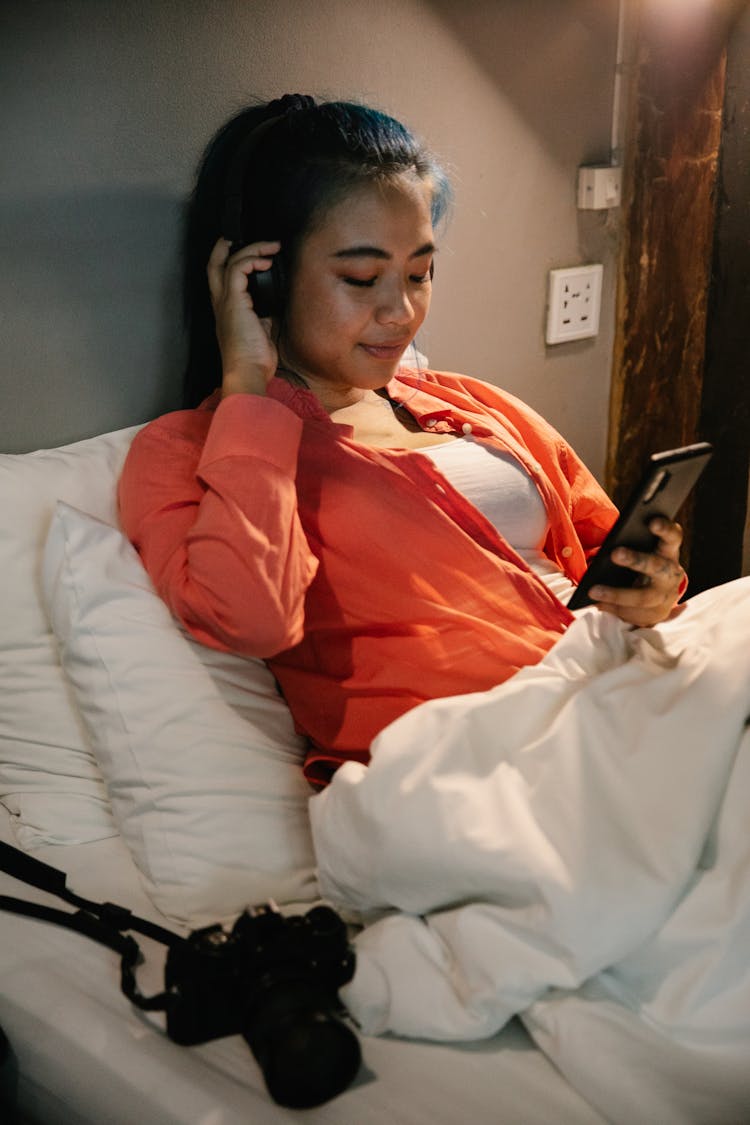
[379, 424]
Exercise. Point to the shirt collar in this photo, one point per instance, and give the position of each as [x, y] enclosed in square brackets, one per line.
[408, 387]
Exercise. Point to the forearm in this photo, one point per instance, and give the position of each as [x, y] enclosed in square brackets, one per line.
[218, 529]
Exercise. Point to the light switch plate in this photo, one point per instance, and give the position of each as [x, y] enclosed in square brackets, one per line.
[599, 187]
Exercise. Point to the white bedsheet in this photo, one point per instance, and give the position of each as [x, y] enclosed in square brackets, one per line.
[85, 1057]
[573, 845]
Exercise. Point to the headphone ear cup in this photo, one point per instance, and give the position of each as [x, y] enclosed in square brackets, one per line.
[267, 290]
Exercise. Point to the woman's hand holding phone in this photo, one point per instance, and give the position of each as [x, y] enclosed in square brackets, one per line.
[249, 356]
[661, 583]
[636, 574]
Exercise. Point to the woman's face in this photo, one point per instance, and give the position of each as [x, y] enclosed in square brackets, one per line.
[360, 289]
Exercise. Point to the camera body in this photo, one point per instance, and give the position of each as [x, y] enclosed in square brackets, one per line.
[274, 980]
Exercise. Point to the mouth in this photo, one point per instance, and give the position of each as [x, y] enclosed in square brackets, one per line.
[386, 351]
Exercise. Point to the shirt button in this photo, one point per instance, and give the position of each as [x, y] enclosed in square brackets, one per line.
[466, 428]
[536, 466]
[566, 552]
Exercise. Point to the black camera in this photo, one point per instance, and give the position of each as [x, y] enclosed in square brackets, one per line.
[274, 980]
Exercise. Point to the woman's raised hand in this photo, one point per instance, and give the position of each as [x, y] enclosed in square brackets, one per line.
[248, 354]
[662, 583]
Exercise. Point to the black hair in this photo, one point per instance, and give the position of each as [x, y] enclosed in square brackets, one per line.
[307, 158]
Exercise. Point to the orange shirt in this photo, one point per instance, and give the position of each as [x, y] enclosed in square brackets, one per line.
[367, 582]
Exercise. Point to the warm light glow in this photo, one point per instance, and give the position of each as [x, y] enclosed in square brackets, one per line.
[680, 6]
[687, 21]
[685, 8]
[680, 13]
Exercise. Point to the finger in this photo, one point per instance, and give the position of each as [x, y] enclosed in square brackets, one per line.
[256, 257]
[669, 533]
[220, 252]
[237, 273]
[660, 579]
[658, 569]
[669, 536]
[215, 268]
[223, 275]
[256, 250]
[627, 597]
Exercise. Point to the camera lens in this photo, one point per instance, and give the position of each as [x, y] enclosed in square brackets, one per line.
[306, 1052]
[310, 1060]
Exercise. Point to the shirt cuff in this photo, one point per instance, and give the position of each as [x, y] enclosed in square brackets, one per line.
[246, 425]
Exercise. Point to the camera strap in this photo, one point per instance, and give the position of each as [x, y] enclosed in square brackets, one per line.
[102, 922]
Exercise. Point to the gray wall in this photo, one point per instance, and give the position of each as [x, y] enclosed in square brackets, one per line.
[105, 106]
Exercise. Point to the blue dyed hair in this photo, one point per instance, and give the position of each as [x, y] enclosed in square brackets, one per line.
[307, 159]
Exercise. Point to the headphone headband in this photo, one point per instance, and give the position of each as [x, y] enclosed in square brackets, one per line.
[231, 221]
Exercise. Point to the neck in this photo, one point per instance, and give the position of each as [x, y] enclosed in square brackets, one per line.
[292, 377]
[331, 396]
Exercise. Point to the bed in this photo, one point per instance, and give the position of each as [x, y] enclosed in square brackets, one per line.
[165, 777]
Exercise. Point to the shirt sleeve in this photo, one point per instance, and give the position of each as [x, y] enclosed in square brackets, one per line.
[209, 501]
[591, 510]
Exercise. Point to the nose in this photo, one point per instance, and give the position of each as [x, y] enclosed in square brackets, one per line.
[395, 306]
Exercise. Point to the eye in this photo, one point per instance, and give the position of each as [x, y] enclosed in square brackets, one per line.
[423, 278]
[361, 282]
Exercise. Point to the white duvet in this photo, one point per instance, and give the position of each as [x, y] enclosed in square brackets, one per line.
[573, 845]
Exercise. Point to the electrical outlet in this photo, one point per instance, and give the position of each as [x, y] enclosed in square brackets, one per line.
[573, 305]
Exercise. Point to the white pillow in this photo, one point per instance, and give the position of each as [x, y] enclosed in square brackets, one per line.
[48, 778]
[199, 752]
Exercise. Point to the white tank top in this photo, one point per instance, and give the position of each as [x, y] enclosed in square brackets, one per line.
[499, 486]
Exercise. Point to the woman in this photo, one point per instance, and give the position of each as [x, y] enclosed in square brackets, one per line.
[387, 536]
[382, 535]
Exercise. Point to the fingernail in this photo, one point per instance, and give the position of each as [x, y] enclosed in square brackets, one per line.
[596, 592]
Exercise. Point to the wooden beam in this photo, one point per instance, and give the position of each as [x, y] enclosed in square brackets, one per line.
[671, 157]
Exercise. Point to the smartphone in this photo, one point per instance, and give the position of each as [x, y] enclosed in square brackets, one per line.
[663, 488]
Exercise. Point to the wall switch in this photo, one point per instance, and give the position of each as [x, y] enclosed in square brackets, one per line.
[574, 301]
[599, 186]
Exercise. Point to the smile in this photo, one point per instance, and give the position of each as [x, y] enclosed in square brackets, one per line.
[386, 351]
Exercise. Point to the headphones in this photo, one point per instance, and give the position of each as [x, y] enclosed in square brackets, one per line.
[267, 288]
